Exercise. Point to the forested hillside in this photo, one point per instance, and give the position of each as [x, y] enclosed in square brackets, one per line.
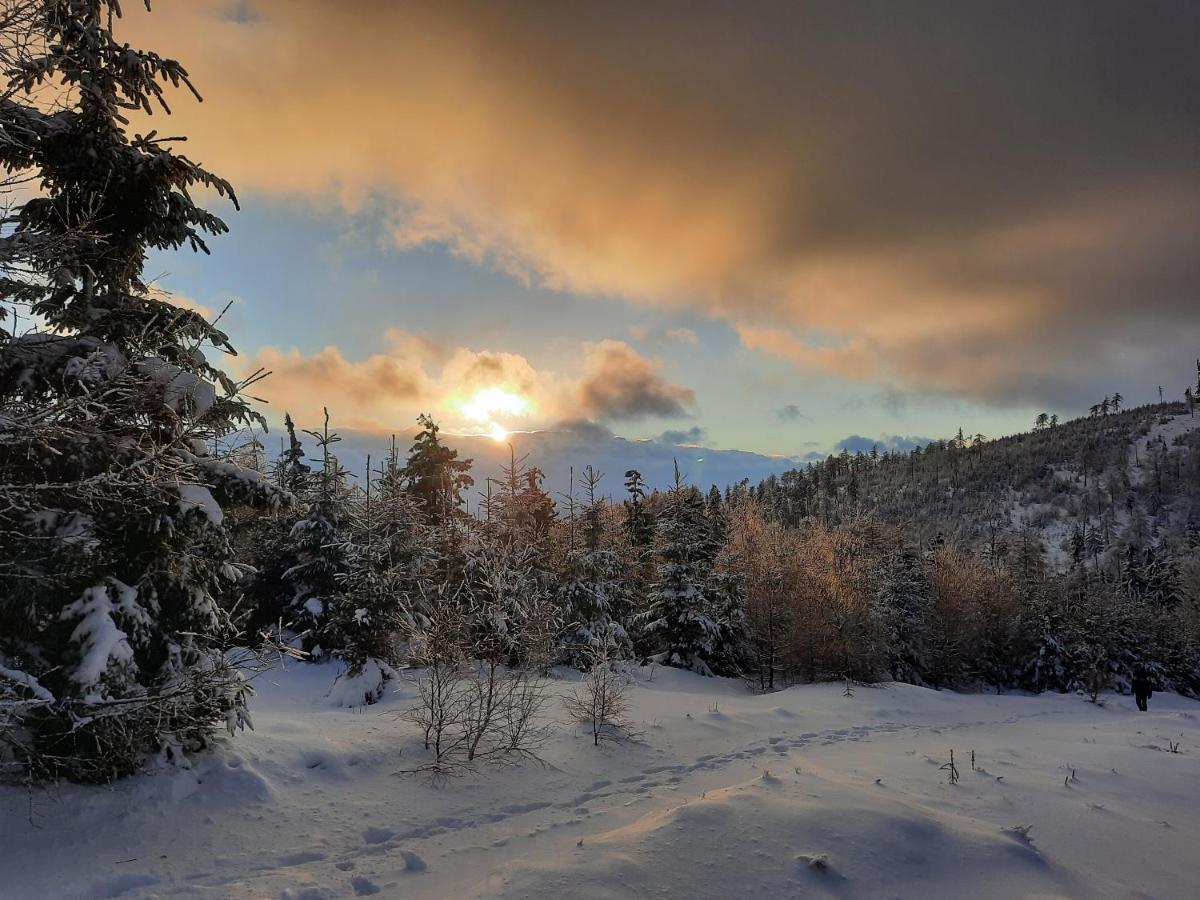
[1090, 488]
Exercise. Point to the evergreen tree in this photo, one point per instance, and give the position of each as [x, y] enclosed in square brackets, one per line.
[320, 547]
[268, 590]
[726, 601]
[718, 524]
[1052, 666]
[676, 622]
[903, 597]
[522, 509]
[639, 525]
[116, 558]
[595, 595]
[381, 587]
[435, 476]
[289, 471]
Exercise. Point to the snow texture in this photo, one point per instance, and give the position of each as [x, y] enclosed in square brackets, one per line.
[197, 496]
[798, 793]
[103, 642]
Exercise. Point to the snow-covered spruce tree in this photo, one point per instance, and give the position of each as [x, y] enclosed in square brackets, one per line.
[903, 598]
[318, 543]
[724, 592]
[522, 513]
[516, 621]
[676, 623]
[115, 557]
[1052, 663]
[387, 561]
[639, 519]
[434, 478]
[594, 595]
[266, 590]
[269, 547]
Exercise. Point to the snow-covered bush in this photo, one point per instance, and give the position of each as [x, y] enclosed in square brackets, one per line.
[480, 646]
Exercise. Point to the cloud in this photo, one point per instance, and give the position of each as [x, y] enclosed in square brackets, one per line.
[791, 413]
[682, 336]
[587, 431]
[856, 443]
[384, 392]
[620, 383]
[994, 200]
[380, 392]
[679, 335]
[693, 436]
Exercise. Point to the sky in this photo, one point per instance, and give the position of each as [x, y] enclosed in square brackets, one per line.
[776, 228]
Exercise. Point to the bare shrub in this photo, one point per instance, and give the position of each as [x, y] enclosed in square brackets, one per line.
[601, 703]
[480, 694]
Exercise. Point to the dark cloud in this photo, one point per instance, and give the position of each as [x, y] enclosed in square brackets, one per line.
[791, 413]
[995, 200]
[585, 430]
[692, 436]
[856, 443]
[620, 383]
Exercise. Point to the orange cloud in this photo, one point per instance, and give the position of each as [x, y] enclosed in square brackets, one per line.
[938, 196]
[375, 394]
[852, 360]
[385, 392]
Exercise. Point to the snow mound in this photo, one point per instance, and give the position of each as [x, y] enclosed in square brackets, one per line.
[783, 836]
[364, 688]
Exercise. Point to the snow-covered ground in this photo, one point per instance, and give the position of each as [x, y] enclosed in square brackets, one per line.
[1055, 527]
[1166, 432]
[729, 794]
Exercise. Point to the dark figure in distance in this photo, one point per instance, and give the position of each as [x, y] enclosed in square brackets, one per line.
[1142, 689]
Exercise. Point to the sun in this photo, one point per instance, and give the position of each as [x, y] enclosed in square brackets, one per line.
[488, 403]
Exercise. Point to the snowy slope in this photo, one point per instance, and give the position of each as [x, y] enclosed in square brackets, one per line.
[1166, 432]
[1055, 529]
[799, 793]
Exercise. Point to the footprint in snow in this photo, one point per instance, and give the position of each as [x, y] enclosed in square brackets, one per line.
[363, 886]
[413, 862]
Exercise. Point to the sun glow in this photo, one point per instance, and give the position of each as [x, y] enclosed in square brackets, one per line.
[488, 403]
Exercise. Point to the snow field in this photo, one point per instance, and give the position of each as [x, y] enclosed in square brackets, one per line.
[804, 792]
